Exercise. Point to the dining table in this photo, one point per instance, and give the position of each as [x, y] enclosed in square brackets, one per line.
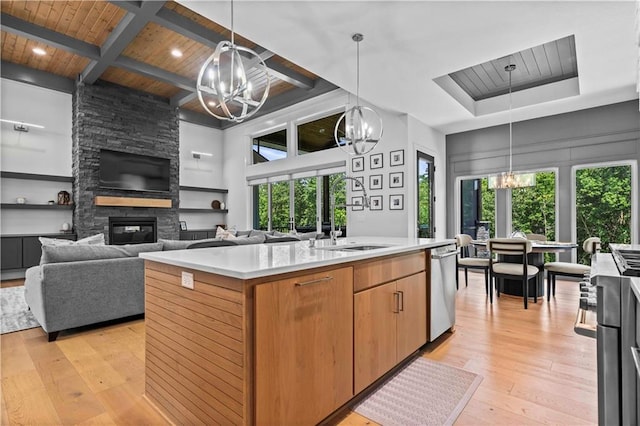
[535, 258]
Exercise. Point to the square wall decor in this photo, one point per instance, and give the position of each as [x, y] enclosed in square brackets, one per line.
[357, 164]
[375, 202]
[357, 203]
[396, 180]
[375, 161]
[375, 182]
[397, 158]
[357, 184]
[396, 202]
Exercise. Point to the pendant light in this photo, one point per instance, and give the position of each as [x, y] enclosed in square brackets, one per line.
[229, 80]
[359, 129]
[508, 180]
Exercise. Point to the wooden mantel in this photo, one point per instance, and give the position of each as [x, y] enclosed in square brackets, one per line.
[162, 203]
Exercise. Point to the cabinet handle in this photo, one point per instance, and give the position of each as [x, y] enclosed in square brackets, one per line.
[319, 280]
[401, 300]
[396, 302]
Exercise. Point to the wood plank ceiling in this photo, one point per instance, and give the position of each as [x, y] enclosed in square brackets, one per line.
[130, 44]
[547, 63]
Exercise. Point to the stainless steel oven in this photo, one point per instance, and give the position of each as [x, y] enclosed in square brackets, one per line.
[618, 325]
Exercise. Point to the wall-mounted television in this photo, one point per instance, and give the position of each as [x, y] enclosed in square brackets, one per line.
[133, 172]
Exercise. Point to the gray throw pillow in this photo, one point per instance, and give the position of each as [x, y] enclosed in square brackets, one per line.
[274, 239]
[243, 233]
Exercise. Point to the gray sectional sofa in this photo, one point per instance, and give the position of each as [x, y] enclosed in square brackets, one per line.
[78, 285]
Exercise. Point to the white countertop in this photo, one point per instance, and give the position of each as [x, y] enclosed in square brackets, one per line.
[260, 260]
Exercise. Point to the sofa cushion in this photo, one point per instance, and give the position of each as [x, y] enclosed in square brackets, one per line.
[211, 243]
[275, 239]
[74, 253]
[256, 239]
[243, 233]
[181, 244]
[255, 232]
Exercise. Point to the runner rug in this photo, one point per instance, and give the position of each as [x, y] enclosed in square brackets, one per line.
[423, 393]
[15, 314]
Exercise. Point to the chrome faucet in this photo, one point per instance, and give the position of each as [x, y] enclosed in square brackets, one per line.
[333, 235]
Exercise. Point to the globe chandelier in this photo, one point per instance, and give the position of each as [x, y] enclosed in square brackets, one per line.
[359, 129]
[509, 180]
[230, 81]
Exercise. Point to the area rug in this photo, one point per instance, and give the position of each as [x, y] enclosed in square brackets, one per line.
[15, 314]
[423, 393]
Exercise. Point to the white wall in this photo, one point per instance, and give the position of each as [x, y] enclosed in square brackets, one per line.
[40, 151]
[238, 167]
[431, 142]
[204, 172]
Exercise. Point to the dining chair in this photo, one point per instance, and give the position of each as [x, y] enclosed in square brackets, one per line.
[568, 269]
[536, 237]
[463, 241]
[514, 247]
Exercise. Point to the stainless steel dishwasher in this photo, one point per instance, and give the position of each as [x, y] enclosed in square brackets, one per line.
[443, 290]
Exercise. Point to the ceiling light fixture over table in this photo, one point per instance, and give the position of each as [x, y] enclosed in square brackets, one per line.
[362, 125]
[229, 79]
[508, 180]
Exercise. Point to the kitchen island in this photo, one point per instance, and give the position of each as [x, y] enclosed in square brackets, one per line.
[280, 333]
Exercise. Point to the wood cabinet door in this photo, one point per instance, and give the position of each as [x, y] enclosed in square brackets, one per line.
[304, 347]
[412, 319]
[374, 333]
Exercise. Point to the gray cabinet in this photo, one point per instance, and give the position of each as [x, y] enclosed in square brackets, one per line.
[24, 251]
[197, 234]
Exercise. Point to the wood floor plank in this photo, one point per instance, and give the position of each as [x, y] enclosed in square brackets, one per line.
[535, 368]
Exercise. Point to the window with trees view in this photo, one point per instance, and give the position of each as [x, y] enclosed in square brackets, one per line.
[273, 202]
[603, 206]
[478, 206]
[533, 208]
[269, 147]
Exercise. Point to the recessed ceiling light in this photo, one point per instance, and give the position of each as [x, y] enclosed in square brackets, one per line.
[176, 53]
[39, 51]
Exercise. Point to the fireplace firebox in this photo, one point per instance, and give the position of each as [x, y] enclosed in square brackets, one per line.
[133, 230]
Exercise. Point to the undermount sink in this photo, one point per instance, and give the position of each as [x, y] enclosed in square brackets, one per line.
[355, 247]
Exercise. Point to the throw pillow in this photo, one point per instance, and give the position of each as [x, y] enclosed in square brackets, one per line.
[224, 234]
[255, 232]
[93, 239]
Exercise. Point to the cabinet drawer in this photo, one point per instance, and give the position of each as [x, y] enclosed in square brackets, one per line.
[370, 274]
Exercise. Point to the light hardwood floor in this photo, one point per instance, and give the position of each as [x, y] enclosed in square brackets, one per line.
[535, 368]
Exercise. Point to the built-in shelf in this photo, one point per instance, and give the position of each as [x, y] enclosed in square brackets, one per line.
[196, 210]
[37, 206]
[33, 176]
[200, 189]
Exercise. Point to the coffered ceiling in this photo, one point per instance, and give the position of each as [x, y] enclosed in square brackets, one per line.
[130, 43]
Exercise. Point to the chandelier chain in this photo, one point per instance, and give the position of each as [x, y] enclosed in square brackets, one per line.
[357, 73]
[232, 32]
[510, 124]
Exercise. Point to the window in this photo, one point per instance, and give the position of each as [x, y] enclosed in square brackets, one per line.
[305, 204]
[425, 196]
[273, 206]
[533, 208]
[603, 206]
[478, 207]
[272, 146]
[318, 135]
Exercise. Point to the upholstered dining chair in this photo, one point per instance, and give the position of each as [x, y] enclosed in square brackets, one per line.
[463, 241]
[568, 269]
[516, 247]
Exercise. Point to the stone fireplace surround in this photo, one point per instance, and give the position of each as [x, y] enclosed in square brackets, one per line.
[108, 116]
